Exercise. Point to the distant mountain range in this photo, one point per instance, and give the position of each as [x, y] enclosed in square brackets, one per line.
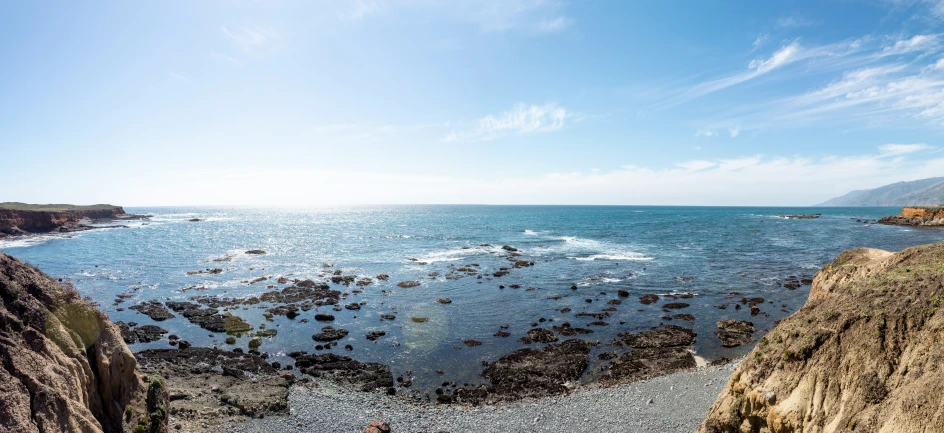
[924, 192]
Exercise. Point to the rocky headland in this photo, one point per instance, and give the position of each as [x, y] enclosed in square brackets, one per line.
[863, 354]
[924, 216]
[64, 365]
[18, 219]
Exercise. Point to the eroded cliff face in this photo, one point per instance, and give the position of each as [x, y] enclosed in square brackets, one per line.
[63, 364]
[866, 353]
[917, 216]
[18, 222]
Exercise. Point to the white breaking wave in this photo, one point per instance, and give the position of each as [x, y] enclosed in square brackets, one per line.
[456, 254]
[581, 249]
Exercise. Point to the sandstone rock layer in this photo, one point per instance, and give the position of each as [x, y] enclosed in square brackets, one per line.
[63, 364]
[864, 354]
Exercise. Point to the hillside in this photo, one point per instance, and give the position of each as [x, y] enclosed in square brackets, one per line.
[863, 354]
[924, 192]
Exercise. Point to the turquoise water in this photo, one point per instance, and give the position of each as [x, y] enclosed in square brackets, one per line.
[707, 252]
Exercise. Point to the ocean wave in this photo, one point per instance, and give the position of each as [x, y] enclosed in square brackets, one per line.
[456, 254]
[632, 257]
[582, 249]
[530, 232]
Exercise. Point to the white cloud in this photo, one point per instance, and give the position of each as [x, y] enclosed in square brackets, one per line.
[748, 180]
[522, 119]
[696, 165]
[917, 43]
[902, 149]
[704, 133]
[734, 132]
[761, 38]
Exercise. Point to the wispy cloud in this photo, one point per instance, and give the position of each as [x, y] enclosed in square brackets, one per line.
[877, 81]
[249, 42]
[553, 25]
[902, 149]
[537, 16]
[792, 21]
[759, 41]
[522, 119]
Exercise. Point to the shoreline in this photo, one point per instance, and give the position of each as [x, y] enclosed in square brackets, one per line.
[677, 402]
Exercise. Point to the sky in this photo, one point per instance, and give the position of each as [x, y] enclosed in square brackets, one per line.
[310, 103]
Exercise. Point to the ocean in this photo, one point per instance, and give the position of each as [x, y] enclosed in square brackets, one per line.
[582, 256]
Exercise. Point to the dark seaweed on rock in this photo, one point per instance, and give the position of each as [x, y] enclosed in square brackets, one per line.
[364, 376]
[667, 336]
[527, 373]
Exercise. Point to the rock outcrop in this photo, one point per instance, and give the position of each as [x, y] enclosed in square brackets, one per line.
[863, 354]
[928, 216]
[63, 364]
[21, 218]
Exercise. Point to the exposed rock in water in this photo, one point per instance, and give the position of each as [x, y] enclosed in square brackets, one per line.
[528, 372]
[917, 216]
[140, 334]
[213, 386]
[408, 284]
[863, 353]
[153, 309]
[639, 364]
[364, 376]
[373, 335]
[64, 365]
[329, 333]
[210, 318]
[566, 330]
[255, 252]
[541, 335]
[667, 336]
[648, 299]
[733, 333]
[675, 305]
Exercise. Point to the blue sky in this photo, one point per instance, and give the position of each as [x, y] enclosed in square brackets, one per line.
[511, 101]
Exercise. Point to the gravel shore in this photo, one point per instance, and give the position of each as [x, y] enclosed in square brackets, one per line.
[673, 403]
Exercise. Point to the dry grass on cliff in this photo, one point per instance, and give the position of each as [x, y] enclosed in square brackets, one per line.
[53, 207]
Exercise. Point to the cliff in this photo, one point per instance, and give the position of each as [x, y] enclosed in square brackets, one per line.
[863, 354]
[928, 216]
[64, 365]
[924, 192]
[21, 218]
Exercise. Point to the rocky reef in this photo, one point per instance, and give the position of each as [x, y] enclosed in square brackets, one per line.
[927, 216]
[863, 354]
[23, 219]
[63, 364]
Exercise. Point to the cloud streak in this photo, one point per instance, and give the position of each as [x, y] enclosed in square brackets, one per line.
[520, 120]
